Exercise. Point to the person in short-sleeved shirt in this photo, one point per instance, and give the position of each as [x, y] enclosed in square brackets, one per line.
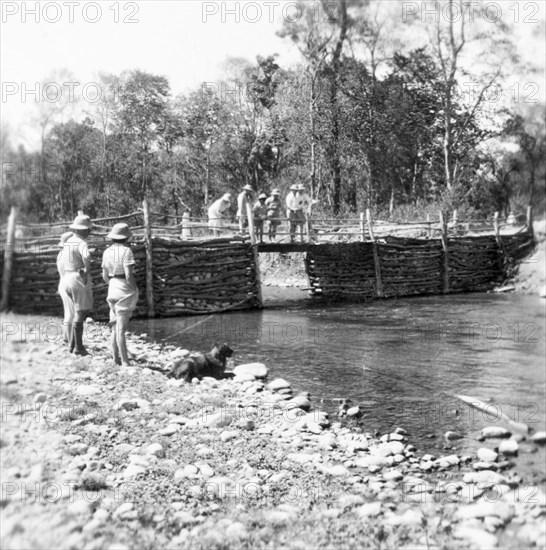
[74, 262]
[218, 212]
[118, 263]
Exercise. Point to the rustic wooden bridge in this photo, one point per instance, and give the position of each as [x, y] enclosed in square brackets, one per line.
[186, 271]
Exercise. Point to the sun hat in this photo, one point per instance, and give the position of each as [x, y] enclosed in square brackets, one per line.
[64, 238]
[262, 196]
[119, 231]
[301, 187]
[247, 188]
[226, 197]
[294, 187]
[81, 222]
[275, 192]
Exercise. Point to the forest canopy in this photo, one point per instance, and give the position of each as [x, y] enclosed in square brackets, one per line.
[365, 121]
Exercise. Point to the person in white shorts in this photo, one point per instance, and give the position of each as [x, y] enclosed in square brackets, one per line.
[74, 262]
[118, 264]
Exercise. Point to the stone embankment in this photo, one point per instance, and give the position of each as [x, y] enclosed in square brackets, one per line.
[97, 456]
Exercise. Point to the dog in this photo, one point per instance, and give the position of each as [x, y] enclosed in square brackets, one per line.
[208, 364]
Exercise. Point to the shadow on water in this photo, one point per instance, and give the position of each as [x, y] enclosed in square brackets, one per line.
[402, 360]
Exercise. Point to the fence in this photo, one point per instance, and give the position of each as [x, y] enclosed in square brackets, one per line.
[185, 271]
[179, 277]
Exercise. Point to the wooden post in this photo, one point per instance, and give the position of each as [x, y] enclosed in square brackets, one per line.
[250, 217]
[529, 220]
[455, 217]
[443, 227]
[428, 226]
[362, 227]
[8, 259]
[149, 260]
[496, 227]
[377, 266]
[186, 231]
[258, 277]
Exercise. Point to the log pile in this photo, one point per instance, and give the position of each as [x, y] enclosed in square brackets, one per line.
[414, 266]
[475, 263]
[342, 271]
[203, 277]
[410, 266]
[188, 277]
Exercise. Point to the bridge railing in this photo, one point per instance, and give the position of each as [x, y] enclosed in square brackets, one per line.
[312, 229]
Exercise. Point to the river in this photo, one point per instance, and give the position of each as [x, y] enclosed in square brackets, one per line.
[401, 360]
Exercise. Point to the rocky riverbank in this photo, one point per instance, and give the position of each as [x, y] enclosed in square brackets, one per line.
[97, 456]
[531, 274]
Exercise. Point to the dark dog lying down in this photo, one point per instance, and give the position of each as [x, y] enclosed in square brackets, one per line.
[209, 364]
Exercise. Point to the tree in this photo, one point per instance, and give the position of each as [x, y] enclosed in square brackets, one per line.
[143, 117]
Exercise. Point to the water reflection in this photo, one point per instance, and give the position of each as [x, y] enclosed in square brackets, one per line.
[402, 360]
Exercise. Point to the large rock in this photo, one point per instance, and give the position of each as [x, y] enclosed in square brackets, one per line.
[86, 390]
[487, 455]
[126, 405]
[299, 401]
[218, 420]
[278, 384]
[485, 476]
[369, 510]
[509, 447]
[258, 370]
[133, 470]
[388, 449]
[170, 429]
[155, 449]
[371, 460]
[477, 537]
[483, 508]
[495, 432]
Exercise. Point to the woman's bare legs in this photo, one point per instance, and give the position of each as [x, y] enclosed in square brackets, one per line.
[122, 322]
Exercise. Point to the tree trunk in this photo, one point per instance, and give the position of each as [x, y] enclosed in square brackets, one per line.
[312, 175]
[336, 126]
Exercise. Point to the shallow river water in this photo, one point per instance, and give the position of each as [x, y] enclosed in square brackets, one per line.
[401, 360]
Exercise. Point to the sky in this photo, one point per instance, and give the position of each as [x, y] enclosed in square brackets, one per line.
[185, 40]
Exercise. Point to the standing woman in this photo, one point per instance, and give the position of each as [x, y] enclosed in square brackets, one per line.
[118, 264]
[68, 304]
[75, 263]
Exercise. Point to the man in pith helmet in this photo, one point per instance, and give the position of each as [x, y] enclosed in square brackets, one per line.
[75, 262]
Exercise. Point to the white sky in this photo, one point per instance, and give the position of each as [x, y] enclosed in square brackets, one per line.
[185, 40]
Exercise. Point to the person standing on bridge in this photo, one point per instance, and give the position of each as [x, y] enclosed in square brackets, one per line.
[260, 214]
[305, 203]
[74, 262]
[118, 264]
[243, 199]
[217, 213]
[274, 205]
[294, 210]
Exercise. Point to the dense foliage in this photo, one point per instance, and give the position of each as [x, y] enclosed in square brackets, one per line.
[361, 130]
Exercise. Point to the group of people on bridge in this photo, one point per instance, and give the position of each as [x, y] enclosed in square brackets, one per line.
[263, 210]
[76, 286]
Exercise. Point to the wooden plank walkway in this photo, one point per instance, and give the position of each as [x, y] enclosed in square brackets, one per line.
[285, 247]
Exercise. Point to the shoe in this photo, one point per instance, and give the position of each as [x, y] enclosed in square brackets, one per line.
[78, 337]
